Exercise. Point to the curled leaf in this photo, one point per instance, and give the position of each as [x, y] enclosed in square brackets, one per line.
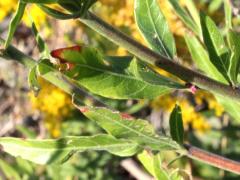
[33, 81]
[14, 22]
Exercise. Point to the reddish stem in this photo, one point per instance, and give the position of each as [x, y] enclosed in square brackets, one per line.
[213, 159]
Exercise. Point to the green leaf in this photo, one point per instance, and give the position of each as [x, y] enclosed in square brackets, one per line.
[183, 15]
[152, 163]
[153, 25]
[122, 126]
[14, 22]
[193, 12]
[201, 58]
[26, 132]
[176, 125]
[9, 171]
[77, 6]
[43, 48]
[218, 52]
[41, 1]
[214, 5]
[58, 151]
[24, 166]
[147, 161]
[159, 172]
[123, 79]
[234, 44]
[33, 81]
[228, 14]
[232, 107]
[180, 174]
[59, 15]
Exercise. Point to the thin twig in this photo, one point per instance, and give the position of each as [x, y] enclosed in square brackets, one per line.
[154, 58]
[54, 78]
[213, 159]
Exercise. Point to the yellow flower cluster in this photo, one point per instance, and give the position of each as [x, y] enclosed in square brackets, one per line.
[175, 24]
[124, 16]
[189, 115]
[212, 102]
[38, 16]
[9, 6]
[54, 104]
[6, 6]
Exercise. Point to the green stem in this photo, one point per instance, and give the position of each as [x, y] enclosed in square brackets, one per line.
[50, 74]
[61, 81]
[153, 58]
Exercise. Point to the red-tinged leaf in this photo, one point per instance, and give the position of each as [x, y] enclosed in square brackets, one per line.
[83, 109]
[126, 116]
[58, 53]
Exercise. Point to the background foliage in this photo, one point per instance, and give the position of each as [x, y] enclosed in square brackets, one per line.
[206, 122]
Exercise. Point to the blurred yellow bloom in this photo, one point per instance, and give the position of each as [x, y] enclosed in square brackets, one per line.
[38, 16]
[200, 96]
[122, 15]
[54, 104]
[6, 7]
[9, 6]
[189, 115]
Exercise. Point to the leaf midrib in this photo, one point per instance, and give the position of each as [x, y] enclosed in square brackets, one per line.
[154, 27]
[162, 141]
[51, 149]
[123, 76]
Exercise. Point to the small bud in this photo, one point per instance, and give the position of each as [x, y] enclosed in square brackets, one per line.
[192, 88]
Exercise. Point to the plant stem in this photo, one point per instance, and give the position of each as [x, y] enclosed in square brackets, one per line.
[156, 59]
[213, 159]
[59, 80]
[51, 74]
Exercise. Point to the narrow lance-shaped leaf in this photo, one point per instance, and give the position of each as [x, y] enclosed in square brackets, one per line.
[25, 166]
[218, 52]
[153, 25]
[183, 15]
[146, 159]
[58, 151]
[33, 81]
[115, 80]
[57, 14]
[228, 14]
[194, 13]
[9, 171]
[14, 22]
[200, 57]
[33, 73]
[234, 44]
[153, 165]
[159, 172]
[232, 107]
[43, 48]
[176, 125]
[124, 126]
[214, 5]
[77, 6]
[41, 1]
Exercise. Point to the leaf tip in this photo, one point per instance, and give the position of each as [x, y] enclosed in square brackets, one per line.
[126, 116]
[58, 53]
[83, 109]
